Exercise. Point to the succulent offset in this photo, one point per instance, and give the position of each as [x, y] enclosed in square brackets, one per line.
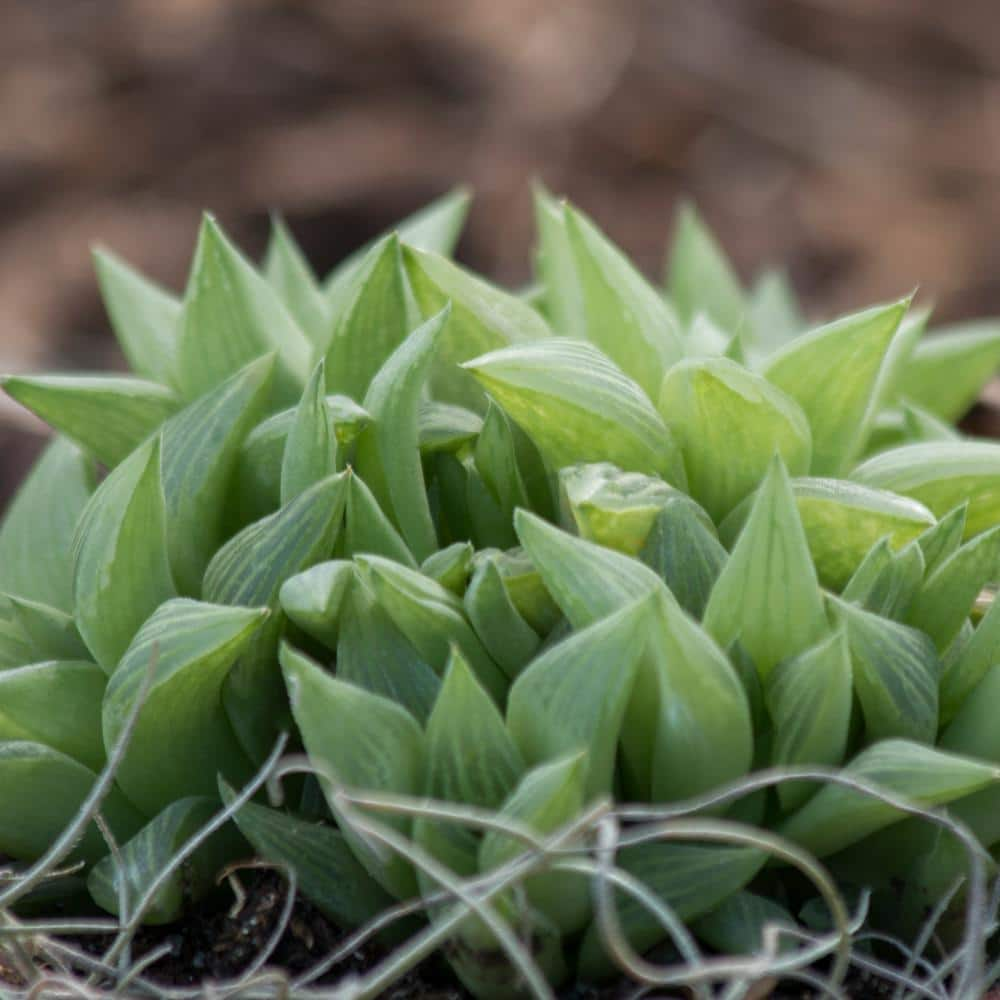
[516, 552]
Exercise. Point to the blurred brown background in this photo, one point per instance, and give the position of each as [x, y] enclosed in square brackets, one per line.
[856, 142]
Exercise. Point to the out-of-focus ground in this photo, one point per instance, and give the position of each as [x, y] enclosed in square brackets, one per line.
[855, 142]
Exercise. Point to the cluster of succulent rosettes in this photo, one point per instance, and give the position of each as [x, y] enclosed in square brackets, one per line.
[514, 551]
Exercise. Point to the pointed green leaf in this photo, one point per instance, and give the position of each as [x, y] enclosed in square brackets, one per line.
[183, 738]
[947, 371]
[921, 425]
[373, 323]
[121, 568]
[809, 703]
[939, 542]
[527, 591]
[444, 427]
[484, 318]
[289, 273]
[911, 329]
[42, 790]
[388, 456]
[144, 317]
[838, 816]
[767, 595]
[775, 314]
[232, 316]
[496, 461]
[431, 617]
[946, 598]
[886, 582]
[700, 278]
[314, 599]
[578, 406]
[36, 536]
[838, 408]
[150, 851]
[737, 926]
[555, 267]
[57, 703]
[574, 695]
[50, 633]
[942, 475]
[729, 423]
[310, 449]
[976, 658]
[108, 416]
[451, 567]
[365, 741]
[367, 530]
[973, 730]
[326, 870]
[16, 647]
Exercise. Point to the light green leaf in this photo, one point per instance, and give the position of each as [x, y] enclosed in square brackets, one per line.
[942, 475]
[232, 316]
[577, 406]
[483, 318]
[809, 703]
[36, 536]
[838, 816]
[310, 449]
[443, 427]
[150, 851]
[57, 703]
[366, 528]
[911, 329]
[886, 582]
[42, 790]
[365, 741]
[940, 542]
[200, 450]
[527, 591]
[289, 273]
[249, 571]
[574, 695]
[326, 870]
[947, 371]
[978, 655]
[144, 317]
[183, 738]
[51, 634]
[431, 617]
[450, 566]
[767, 595]
[373, 323]
[700, 278]
[314, 599]
[946, 598]
[921, 425]
[388, 456]
[121, 567]
[495, 456]
[729, 424]
[108, 416]
[559, 281]
[775, 314]
[973, 730]
[839, 409]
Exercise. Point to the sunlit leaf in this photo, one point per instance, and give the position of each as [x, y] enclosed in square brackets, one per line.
[886, 582]
[775, 314]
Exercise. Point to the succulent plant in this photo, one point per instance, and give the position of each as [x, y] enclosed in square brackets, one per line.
[519, 553]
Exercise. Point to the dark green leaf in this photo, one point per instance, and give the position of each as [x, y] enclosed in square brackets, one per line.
[314, 599]
[310, 448]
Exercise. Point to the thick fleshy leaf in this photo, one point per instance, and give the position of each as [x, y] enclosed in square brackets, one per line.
[444, 427]
[839, 409]
[314, 599]
[921, 425]
[373, 654]
[946, 598]
[941, 541]
[373, 322]
[838, 816]
[809, 703]
[57, 703]
[248, 571]
[483, 318]
[183, 738]
[886, 582]
[121, 565]
[911, 329]
[431, 617]
[561, 295]
[288, 271]
[942, 475]
[775, 314]
[149, 852]
[767, 595]
[976, 658]
[842, 521]
[700, 278]
[738, 924]
[200, 450]
[49, 633]
[232, 316]
[108, 416]
[16, 648]
[573, 696]
[623, 315]
[973, 730]
[144, 317]
[969, 353]
[365, 741]
[36, 536]
[496, 461]
[325, 868]
[693, 879]
[508, 638]
[578, 406]
[366, 528]
[729, 423]
[42, 790]
[896, 672]
[527, 590]
[546, 799]
[388, 456]
[310, 448]
[450, 566]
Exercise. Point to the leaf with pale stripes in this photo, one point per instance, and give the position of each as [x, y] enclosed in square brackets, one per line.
[310, 449]
[289, 273]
